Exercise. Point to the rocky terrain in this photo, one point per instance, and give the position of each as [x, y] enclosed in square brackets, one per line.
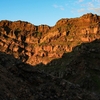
[61, 62]
[81, 66]
[41, 44]
[20, 81]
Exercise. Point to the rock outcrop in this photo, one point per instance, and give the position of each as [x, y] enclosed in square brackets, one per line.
[41, 44]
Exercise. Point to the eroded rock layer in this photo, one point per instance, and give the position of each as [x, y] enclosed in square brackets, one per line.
[41, 44]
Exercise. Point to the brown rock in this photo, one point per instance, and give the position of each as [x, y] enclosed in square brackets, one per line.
[23, 38]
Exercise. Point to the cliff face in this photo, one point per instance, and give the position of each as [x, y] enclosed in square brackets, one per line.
[70, 50]
[41, 44]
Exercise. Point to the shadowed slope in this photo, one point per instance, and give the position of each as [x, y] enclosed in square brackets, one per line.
[81, 66]
[20, 81]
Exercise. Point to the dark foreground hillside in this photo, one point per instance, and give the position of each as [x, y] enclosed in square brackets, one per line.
[20, 81]
[81, 66]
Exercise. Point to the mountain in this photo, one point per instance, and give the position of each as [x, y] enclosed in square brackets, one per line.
[50, 63]
[41, 44]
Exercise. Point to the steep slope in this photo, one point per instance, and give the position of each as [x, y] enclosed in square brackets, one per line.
[81, 66]
[41, 44]
[20, 81]
[66, 59]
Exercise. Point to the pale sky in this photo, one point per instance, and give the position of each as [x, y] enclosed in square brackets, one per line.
[47, 12]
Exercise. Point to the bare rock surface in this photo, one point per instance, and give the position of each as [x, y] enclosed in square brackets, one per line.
[41, 44]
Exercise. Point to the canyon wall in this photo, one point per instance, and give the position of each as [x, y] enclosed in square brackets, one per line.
[41, 44]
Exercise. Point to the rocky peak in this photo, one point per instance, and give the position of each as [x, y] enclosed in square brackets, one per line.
[62, 21]
[90, 15]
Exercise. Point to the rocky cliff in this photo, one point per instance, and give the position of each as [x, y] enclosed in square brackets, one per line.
[41, 44]
[81, 66]
[66, 59]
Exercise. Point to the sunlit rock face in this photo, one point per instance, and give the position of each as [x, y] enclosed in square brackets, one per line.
[41, 44]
